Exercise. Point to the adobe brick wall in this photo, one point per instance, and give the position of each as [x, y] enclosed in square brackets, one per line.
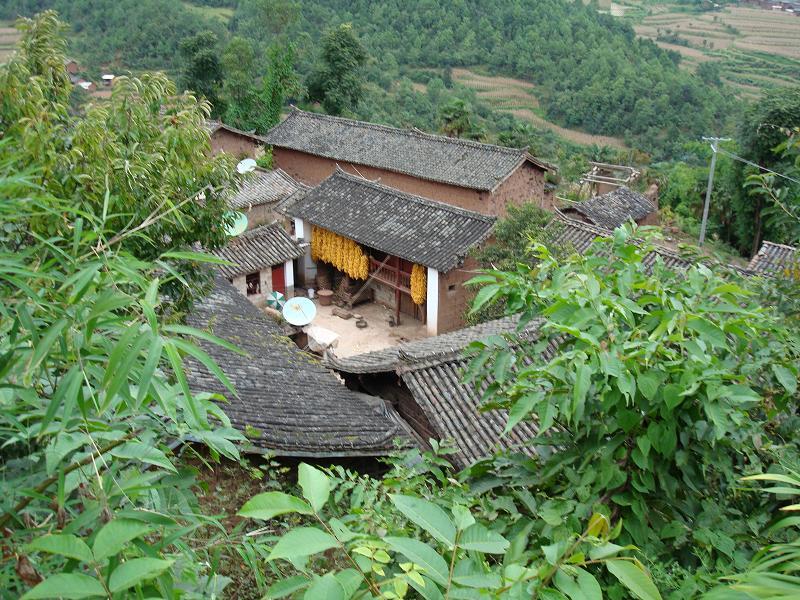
[453, 303]
[240, 283]
[524, 185]
[238, 146]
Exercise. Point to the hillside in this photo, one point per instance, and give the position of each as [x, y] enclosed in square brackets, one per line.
[592, 74]
[747, 47]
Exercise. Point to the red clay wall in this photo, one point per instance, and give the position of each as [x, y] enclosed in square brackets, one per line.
[525, 184]
[453, 302]
[238, 146]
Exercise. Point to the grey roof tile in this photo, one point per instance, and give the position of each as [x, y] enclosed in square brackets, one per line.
[463, 163]
[414, 228]
[614, 208]
[257, 249]
[773, 259]
[265, 187]
[300, 407]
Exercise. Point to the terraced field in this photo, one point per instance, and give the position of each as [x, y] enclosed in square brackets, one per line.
[518, 98]
[755, 48]
[8, 37]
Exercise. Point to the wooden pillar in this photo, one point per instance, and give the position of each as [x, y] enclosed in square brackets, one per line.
[397, 305]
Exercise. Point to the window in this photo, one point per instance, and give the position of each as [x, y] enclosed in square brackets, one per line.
[253, 284]
[451, 289]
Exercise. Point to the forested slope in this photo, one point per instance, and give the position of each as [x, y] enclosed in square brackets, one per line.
[590, 69]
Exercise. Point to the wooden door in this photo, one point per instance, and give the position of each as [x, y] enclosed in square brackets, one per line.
[279, 279]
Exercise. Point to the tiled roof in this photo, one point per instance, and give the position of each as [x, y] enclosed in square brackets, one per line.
[265, 187]
[422, 231]
[257, 249]
[299, 407]
[213, 126]
[389, 359]
[571, 234]
[463, 163]
[773, 258]
[433, 370]
[614, 208]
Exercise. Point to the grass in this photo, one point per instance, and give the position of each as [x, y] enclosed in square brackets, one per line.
[518, 97]
[756, 49]
[222, 13]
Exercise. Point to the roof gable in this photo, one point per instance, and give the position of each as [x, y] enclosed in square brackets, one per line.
[454, 161]
[298, 406]
[258, 249]
[615, 208]
[414, 228]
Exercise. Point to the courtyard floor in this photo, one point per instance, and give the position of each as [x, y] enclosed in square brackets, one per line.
[377, 335]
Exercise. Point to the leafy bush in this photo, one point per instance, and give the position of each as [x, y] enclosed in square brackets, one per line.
[375, 548]
[665, 389]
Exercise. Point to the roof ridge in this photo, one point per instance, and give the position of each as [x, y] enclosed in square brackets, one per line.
[522, 153]
[419, 199]
[776, 244]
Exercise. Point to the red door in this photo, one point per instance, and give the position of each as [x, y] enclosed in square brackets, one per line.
[278, 279]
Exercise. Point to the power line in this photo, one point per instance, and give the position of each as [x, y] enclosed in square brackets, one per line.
[757, 166]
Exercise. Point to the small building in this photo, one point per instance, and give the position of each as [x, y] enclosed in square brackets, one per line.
[776, 259]
[236, 142]
[614, 208]
[286, 402]
[260, 194]
[424, 382]
[479, 177]
[88, 86]
[262, 262]
[108, 79]
[71, 66]
[403, 240]
[602, 178]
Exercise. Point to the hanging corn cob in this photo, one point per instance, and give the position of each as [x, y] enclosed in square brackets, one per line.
[419, 284]
[343, 253]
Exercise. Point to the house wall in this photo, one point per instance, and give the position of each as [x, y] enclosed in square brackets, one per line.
[525, 184]
[240, 283]
[264, 214]
[453, 303]
[237, 145]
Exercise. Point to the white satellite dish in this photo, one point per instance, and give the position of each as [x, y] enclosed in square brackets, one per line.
[239, 225]
[299, 311]
[248, 165]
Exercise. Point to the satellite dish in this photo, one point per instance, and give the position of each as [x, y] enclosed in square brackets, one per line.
[248, 165]
[239, 225]
[299, 311]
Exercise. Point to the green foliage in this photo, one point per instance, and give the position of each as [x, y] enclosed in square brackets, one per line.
[377, 540]
[140, 160]
[94, 401]
[773, 572]
[202, 69]
[337, 79]
[766, 126]
[665, 388]
[128, 34]
[456, 121]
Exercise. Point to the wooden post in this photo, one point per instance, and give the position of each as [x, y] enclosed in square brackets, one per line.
[397, 306]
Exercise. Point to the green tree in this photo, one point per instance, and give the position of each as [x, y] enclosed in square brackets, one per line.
[281, 81]
[202, 69]
[337, 80]
[665, 388]
[146, 149]
[765, 126]
[93, 398]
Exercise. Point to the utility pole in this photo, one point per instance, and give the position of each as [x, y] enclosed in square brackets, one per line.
[714, 141]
